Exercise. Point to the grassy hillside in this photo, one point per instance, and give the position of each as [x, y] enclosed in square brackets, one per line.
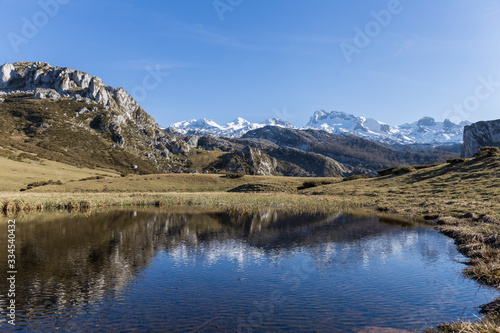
[460, 188]
[452, 189]
[24, 169]
[50, 130]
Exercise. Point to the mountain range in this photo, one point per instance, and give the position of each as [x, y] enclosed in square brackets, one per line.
[235, 129]
[423, 131]
[69, 116]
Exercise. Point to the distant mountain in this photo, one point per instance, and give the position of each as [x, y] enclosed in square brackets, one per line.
[423, 131]
[234, 129]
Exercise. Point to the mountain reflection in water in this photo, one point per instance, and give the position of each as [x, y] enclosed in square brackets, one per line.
[147, 270]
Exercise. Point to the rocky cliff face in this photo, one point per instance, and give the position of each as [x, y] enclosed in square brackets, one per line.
[42, 79]
[480, 134]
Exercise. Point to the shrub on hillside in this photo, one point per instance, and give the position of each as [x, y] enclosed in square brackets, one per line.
[386, 172]
[91, 178]
[406, 169]
[425, 166]
[354, 177]
[314, 183]
[28, 157]
[489, 151]
[456, 160]
[233, 175]
[396, 171]
[41, 183]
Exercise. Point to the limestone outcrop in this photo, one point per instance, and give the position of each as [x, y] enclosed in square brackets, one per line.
[480, 134]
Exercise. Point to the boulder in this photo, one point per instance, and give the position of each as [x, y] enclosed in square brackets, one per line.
[43, 93]
[82, 111]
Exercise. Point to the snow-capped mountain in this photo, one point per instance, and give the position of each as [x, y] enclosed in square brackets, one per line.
[423, 131]
[342, 123]
[427, 130]
[234, 129]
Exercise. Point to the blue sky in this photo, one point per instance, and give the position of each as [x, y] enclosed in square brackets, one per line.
[273, 58]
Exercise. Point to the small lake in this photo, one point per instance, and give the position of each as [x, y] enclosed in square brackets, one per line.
[209, 271]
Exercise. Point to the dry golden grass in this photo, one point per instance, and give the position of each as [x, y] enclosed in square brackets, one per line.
[17, 203]
[162, 183]
[449, 189]
[16, 175]
[488, 324]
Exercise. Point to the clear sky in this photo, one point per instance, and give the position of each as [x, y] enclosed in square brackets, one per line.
[395, 61]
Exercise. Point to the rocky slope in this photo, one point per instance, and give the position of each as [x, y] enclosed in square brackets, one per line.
[263, 157]
[480, 134]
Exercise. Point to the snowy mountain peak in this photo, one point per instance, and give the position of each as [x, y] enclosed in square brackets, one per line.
[340, 122]
[321, 116]
[240, 120]
[278, 122]
[426, 121]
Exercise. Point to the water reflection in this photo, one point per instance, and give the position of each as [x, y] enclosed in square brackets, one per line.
[148, 270]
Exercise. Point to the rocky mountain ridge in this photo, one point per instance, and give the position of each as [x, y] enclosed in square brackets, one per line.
[358, 154]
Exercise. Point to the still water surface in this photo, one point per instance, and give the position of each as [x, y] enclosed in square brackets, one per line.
[205, 271]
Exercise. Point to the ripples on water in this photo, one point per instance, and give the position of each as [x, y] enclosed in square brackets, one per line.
[209, 271]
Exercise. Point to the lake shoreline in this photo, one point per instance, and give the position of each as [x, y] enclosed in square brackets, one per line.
[460, 201]
[479, 268]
